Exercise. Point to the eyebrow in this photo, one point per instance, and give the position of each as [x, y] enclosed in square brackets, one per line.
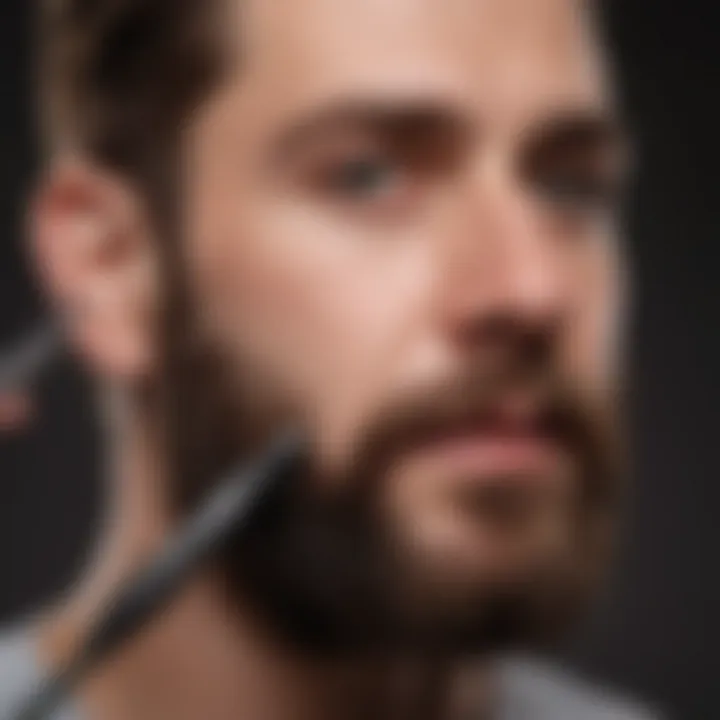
[442, 125]
[385, 116]
[581, 128]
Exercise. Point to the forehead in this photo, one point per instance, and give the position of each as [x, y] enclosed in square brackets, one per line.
[510, 57]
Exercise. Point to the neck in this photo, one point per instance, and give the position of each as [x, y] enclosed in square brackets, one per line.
[203, 658]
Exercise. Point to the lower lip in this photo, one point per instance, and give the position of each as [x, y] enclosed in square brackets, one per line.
[493, 453]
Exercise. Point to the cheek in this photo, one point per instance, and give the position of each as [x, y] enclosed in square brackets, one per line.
[321, 305]
[596, 326]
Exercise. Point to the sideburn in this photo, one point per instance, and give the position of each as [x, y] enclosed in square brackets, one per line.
[183, 402]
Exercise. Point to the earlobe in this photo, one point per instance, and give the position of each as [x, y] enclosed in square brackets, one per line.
[93, 250]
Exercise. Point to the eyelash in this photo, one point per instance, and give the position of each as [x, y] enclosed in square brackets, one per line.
[371, 181]
[578, 192]
[345, 176]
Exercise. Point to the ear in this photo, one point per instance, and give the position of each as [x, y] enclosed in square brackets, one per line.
[16, 411]
[94, 250]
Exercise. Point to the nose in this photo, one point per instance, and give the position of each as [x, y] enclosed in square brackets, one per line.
[501, 268]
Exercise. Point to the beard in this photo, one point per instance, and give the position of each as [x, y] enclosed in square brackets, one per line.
[326, 568]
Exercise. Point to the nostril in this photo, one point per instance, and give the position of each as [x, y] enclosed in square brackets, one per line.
[505, 331]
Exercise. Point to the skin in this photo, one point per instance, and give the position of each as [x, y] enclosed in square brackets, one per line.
[345, 266]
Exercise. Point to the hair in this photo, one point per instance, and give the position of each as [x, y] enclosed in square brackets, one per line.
[119, 81]
[118, 78]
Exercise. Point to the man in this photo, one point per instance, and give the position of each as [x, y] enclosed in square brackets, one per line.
[389, 224]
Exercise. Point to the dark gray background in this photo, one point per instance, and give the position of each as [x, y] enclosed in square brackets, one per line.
[657, 632]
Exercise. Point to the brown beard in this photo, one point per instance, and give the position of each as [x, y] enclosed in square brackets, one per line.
[326, 570]
[321, 567]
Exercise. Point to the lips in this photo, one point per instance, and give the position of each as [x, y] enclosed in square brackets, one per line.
[502, 443]
[494, 450]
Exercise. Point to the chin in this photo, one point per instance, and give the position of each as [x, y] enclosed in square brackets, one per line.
[475, 586]
[491, 533]
[433, 572]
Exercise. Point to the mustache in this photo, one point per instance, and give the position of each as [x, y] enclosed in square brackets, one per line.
[472, 397]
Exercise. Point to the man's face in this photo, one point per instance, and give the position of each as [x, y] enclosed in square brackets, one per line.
[398, 226]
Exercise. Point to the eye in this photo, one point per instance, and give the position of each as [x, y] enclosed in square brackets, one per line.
[576, 166]
[578, 192]
[362, 178]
